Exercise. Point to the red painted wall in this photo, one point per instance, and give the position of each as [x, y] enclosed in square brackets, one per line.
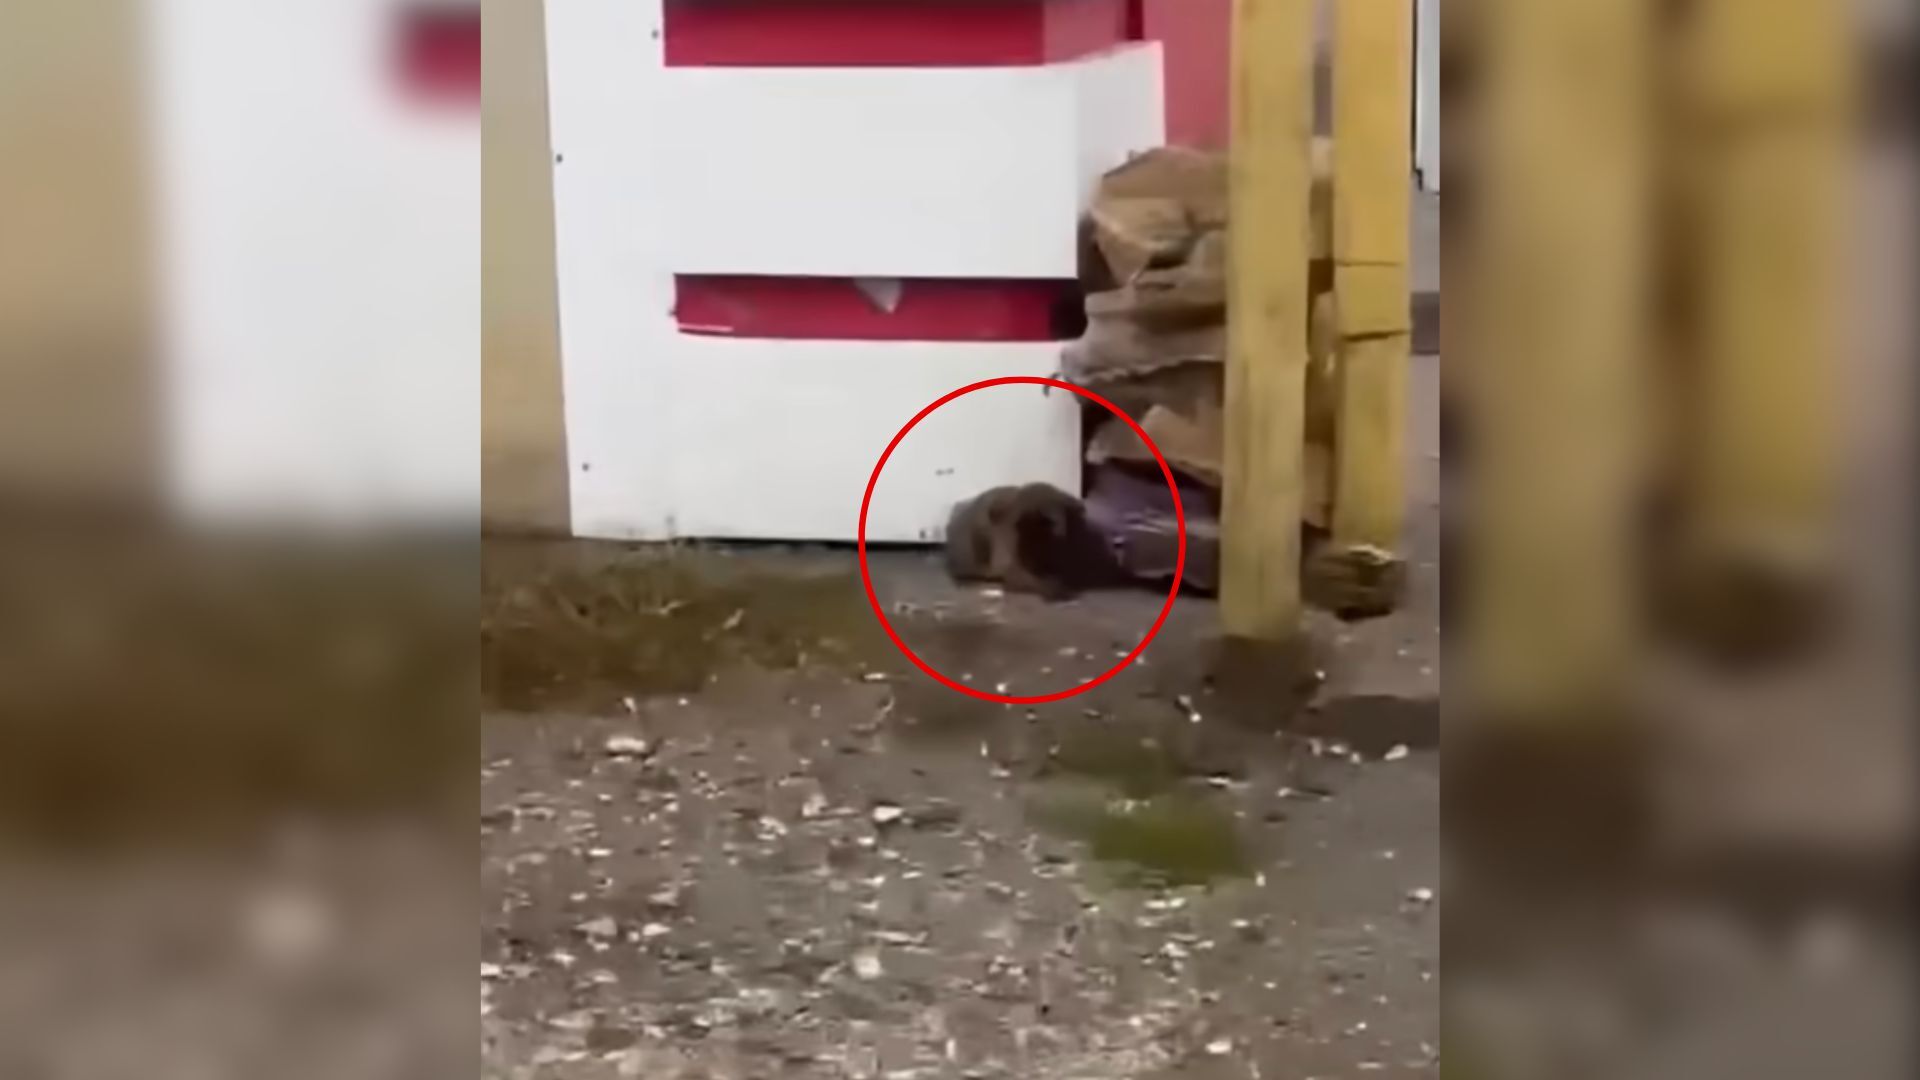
[437, 53]
[802, 308]
[863, 33]
[1197, 38]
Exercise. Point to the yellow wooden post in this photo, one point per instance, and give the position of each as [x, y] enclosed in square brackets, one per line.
[1372, 175]
[1552, 358]
[1267, 323]
[1765, 94]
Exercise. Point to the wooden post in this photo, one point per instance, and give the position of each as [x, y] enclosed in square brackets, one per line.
[1271, 177]
[1554, 350]
[1765, 110]
[1372, 180]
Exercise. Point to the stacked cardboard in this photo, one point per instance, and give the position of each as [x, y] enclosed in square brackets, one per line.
[1154, 265]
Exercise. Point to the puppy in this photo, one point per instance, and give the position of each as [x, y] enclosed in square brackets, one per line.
[1033, 539]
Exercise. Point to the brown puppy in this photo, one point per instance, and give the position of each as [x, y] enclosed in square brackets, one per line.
[1033, 539]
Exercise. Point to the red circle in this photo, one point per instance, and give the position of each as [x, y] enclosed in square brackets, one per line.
[1179, 566]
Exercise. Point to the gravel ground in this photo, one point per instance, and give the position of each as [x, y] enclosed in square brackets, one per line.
[776, 850]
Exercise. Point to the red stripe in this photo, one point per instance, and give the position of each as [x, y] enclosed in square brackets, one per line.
[865, 33]
[438, 53]
[929, 309]
[1196, 37]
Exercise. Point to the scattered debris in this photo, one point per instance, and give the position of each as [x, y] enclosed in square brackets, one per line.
[1354, 581]
[602, 927]
[1186, 706]
[789, 888]
[628, 746]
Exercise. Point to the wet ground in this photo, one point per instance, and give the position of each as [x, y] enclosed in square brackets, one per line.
[728, 831]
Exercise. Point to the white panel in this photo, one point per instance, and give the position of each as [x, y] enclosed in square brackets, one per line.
[782, 441]
[1426, 89]
[1123, 111]
[606, 97]
[904, 172]
[883, 173]
[321, 260]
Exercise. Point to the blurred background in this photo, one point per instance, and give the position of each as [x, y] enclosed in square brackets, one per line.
[75, 315]
[239, 338]
[1680, 349]
[278, 338]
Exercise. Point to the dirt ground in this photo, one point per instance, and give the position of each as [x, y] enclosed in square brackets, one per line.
[744, 838]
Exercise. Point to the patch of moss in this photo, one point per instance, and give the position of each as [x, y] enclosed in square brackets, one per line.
[575, 625]
[1138, 767]
[1167, 841]
[160, 690]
